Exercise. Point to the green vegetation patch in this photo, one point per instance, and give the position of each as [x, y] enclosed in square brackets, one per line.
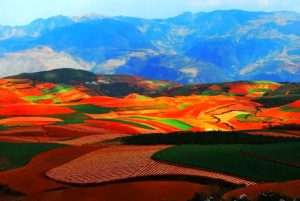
[264, 82]
[2, 127]
[15, 155]
[289, 109]
[175, 123]
[139, 125]
[231, 160]
[171, 122]
[163, 87]
[90, 109]
[73, 118]
[252, 118]
[38, 98]
[288, 152]
[276, 101]
[60, 88]
[252, 91]
[183, 106]
[212, 92]
[241, 117]
[204, 138]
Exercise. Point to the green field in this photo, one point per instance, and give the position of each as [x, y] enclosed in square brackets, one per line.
[130, 123]
[15, 155]
[175, 123]
[73, 118]
[276, 101]
[289, 109]
[90, 109]
[38, 98]
[289, 152]
[230, 159]
[170, 122]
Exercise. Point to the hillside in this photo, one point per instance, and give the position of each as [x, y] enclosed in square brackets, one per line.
[191, 48]
[123, 85]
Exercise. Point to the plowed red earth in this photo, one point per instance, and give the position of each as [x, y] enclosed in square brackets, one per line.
[290, 188]
[30, 179]
[123, 162]
[133, 191]
[33, 109]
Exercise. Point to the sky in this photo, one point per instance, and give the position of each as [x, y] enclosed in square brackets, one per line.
[21, 12]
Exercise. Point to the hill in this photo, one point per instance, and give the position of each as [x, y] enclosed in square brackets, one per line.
[205, 47]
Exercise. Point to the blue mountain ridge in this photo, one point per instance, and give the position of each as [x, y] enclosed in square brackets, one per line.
[216, 46]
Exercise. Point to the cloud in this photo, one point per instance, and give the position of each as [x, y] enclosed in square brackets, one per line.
[264, 3]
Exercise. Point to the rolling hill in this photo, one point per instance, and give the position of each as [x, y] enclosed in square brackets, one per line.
[218, 46]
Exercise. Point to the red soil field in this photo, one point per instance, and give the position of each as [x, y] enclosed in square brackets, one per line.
[289, 188]
[133, 191]
[27, 139]
[123, 162]
[30, 179]
[116, 127]
[33, 109]
[28, 121]
[92, 139]
[8, 97]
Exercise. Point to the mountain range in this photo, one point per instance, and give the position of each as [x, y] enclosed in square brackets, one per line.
[205, 47]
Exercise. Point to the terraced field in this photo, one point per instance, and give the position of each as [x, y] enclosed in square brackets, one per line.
[101, 130]
[238, 106]
[119, 163]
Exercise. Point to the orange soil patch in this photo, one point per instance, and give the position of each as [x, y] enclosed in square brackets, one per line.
[45, 86]
[33, 109]
[142, 191]
[9, 97]
[289, 188]
[115, 126]
[71, 96]
[92, 139]
[23, 131]
[28, 121]
[295, 104]
[30, 92]
[247, 125]
[277, 113]
[123, 162]
[71, 130]
[30, 179]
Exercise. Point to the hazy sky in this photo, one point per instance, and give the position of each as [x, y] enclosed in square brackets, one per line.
[19, 12]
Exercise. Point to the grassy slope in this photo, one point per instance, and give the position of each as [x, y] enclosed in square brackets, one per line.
[284, 152]
[90, 109]
[229, 159]
[14, 155]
